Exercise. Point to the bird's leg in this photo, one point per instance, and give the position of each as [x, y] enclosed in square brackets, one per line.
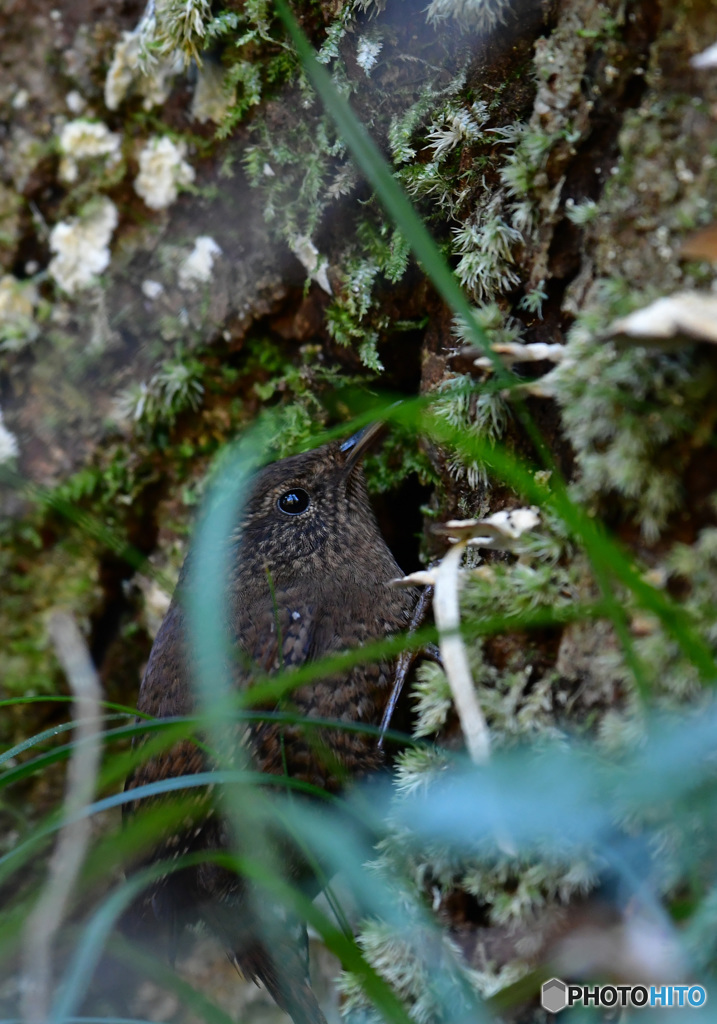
[406, 659]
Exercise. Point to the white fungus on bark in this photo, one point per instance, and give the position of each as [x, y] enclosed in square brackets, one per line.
[82, 139]
[81, 246]
[152, 289]
[312, 261]
[162, 171]
[197, 268]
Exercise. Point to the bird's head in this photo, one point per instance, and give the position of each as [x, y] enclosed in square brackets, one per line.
[311, 511]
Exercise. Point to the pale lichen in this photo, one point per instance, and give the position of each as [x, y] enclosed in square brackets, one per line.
[162, 171]
[213, 94]
[480, 15]
[196, 269]
[131, 71]
[8, 443]
[81, 246]
[82, 140]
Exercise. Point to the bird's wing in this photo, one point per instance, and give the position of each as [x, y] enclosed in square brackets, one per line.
[277, 635]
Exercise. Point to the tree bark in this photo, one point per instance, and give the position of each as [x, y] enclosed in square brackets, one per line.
[561, 152]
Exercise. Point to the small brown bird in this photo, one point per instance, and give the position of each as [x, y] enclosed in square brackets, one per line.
[310, 579]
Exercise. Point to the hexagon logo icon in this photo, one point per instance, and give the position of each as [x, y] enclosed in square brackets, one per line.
[554, 995]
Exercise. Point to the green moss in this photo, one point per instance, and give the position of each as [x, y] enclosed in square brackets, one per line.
[433, 700]
[483, 412]
[406, 959]
[379, 256]
[36, 581]
[301, 169]
[11, 205]
[180, 26]
[691, 567]
[175, 388]
[630, 416]
[293, 172]
[257, 61]
[514, 889]
[397, 458]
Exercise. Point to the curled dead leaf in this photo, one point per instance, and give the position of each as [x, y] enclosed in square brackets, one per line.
[684, 315]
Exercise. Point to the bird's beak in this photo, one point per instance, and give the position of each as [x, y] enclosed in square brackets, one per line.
[360, 443]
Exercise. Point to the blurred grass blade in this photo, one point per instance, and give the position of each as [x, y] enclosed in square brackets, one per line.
[41, 737]
[171, 728]
[94, 939]
[58, 698]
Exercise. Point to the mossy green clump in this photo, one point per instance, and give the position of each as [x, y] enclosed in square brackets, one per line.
[175, 388]
[485, 414]
[303, 393]
[633, 417]
[693, 568]
[380, 255]
[180, 26]
[66, 576]
[406, 958]
[303, 171]
[516, 888]
[397, 458]
[293, 169]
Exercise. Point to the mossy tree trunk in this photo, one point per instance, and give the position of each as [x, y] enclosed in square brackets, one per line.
[184, 247]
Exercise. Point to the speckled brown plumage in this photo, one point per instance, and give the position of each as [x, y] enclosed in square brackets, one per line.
[329, 568]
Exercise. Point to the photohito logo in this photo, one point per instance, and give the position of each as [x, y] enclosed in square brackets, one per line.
[556, 995]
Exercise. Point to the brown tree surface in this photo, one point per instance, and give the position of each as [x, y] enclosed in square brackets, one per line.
[185, 242]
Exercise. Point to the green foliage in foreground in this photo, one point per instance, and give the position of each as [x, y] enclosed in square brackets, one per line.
[628, 807]
[551, 818]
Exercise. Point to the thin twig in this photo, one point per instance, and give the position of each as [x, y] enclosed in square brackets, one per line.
[66, 861]
[404, 662]
[500, 532]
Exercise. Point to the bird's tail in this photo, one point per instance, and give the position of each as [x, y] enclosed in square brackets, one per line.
[265, 946]
[285, 981]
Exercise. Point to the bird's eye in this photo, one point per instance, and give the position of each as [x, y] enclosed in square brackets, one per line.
[294, 502]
